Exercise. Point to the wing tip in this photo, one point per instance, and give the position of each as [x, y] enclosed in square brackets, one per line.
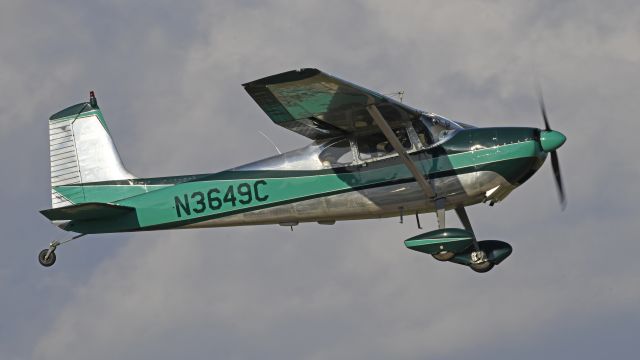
[283, 77]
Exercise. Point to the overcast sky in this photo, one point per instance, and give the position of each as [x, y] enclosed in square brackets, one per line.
[167, 76]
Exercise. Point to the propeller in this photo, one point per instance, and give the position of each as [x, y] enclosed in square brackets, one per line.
[552, 140]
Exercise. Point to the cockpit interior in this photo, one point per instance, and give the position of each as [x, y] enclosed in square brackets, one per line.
[423, 132]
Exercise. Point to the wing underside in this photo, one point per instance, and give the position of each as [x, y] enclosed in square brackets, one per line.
[317, 105]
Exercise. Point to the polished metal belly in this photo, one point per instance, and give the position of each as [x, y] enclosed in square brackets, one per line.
[385, 201]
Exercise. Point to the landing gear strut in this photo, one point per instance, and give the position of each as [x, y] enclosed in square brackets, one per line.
[443, 255]
[47, 257]
[479, 261]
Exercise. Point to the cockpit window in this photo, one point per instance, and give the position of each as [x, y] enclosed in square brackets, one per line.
[376, 145]
[432, 129]
[337, 154]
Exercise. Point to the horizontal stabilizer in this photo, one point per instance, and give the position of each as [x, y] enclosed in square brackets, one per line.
[86, 211]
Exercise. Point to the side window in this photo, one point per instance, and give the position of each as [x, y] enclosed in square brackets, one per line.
[337, 154]
[376, 145]
[423, 133]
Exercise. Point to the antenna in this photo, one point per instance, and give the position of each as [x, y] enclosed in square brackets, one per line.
[398, 94]
[272, 143]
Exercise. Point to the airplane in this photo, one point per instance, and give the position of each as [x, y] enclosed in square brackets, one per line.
[370, 157]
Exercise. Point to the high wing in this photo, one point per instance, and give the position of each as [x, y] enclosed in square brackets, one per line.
[317, 105]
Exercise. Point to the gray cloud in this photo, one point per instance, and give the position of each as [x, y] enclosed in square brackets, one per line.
[168, 80]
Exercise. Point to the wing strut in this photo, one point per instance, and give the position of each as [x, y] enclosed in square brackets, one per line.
[397, 146]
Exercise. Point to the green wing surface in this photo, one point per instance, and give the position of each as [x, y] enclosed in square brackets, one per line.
[317, 105]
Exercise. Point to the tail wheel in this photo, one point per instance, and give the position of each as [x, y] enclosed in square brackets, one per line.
[46, 261]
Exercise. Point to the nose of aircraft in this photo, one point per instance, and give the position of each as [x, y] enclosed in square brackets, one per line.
[551, 140]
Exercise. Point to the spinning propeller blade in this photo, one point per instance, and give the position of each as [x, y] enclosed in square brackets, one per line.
[555, 164]
[543, 109]
[551, 140]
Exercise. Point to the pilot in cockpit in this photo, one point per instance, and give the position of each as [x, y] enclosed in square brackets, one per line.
[401, 134]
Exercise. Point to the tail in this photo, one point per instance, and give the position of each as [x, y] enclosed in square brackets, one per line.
[81, 151]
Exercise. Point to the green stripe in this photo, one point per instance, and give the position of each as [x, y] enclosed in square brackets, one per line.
[156, 209]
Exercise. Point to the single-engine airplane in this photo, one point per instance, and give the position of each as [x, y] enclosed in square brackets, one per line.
[370, 157]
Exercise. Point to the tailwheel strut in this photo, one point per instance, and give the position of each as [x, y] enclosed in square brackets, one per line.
[47, 257]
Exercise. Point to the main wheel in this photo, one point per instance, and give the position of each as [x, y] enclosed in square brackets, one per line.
[46, 262]
[482, 267]
[444, 256]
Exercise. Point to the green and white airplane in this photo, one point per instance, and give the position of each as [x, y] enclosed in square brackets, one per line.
[370, 157]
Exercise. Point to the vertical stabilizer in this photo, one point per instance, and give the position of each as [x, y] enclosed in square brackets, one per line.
[81, 150]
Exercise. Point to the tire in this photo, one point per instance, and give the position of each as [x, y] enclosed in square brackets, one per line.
[482, 267]
[46, 262]
[444, 256]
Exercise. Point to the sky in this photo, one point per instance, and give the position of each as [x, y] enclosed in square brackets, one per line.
[168, 78]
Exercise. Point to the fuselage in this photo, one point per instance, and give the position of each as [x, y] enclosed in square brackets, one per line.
[473, 165]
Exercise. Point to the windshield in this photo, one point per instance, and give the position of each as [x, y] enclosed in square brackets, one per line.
[434, 129]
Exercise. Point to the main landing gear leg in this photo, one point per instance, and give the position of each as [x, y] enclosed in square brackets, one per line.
[440, 213]
[443, 255]
[479, 261]
[47, 257]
